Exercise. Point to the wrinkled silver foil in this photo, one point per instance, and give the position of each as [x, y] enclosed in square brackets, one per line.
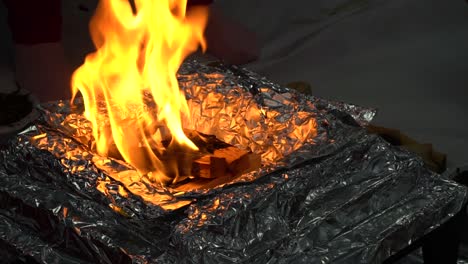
[333, 194]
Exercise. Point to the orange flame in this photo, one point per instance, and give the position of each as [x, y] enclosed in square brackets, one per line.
[135, 54]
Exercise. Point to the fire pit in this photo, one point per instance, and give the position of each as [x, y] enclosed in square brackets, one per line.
[117, 178]
[343, 195]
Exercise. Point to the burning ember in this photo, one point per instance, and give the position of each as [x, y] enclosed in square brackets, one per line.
[326, 182]
[140, 54]
[138, 113]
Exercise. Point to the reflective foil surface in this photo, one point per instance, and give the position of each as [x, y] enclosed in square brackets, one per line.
[331, 194]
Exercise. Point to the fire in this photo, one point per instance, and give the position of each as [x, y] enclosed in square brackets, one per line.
[139, 53]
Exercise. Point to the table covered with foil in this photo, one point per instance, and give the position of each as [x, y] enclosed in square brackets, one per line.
[331, 194]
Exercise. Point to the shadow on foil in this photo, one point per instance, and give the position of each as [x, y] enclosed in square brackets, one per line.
[340, 195]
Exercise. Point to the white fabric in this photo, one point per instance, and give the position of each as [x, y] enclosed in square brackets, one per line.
[408, 58]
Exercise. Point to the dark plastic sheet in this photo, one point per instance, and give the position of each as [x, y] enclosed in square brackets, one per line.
[343, 196]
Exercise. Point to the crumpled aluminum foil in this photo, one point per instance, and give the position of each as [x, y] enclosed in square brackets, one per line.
[337, 195]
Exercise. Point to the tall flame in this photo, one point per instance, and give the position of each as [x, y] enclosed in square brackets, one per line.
[139, 53]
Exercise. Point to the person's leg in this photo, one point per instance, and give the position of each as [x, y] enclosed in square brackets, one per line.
[40, 64]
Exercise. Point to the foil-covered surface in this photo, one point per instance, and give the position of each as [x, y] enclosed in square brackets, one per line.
[327, 193]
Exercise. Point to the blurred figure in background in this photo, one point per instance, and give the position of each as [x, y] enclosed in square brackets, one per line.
[42, 68]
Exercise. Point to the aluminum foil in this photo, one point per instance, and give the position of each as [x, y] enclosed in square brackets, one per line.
[331, 194]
